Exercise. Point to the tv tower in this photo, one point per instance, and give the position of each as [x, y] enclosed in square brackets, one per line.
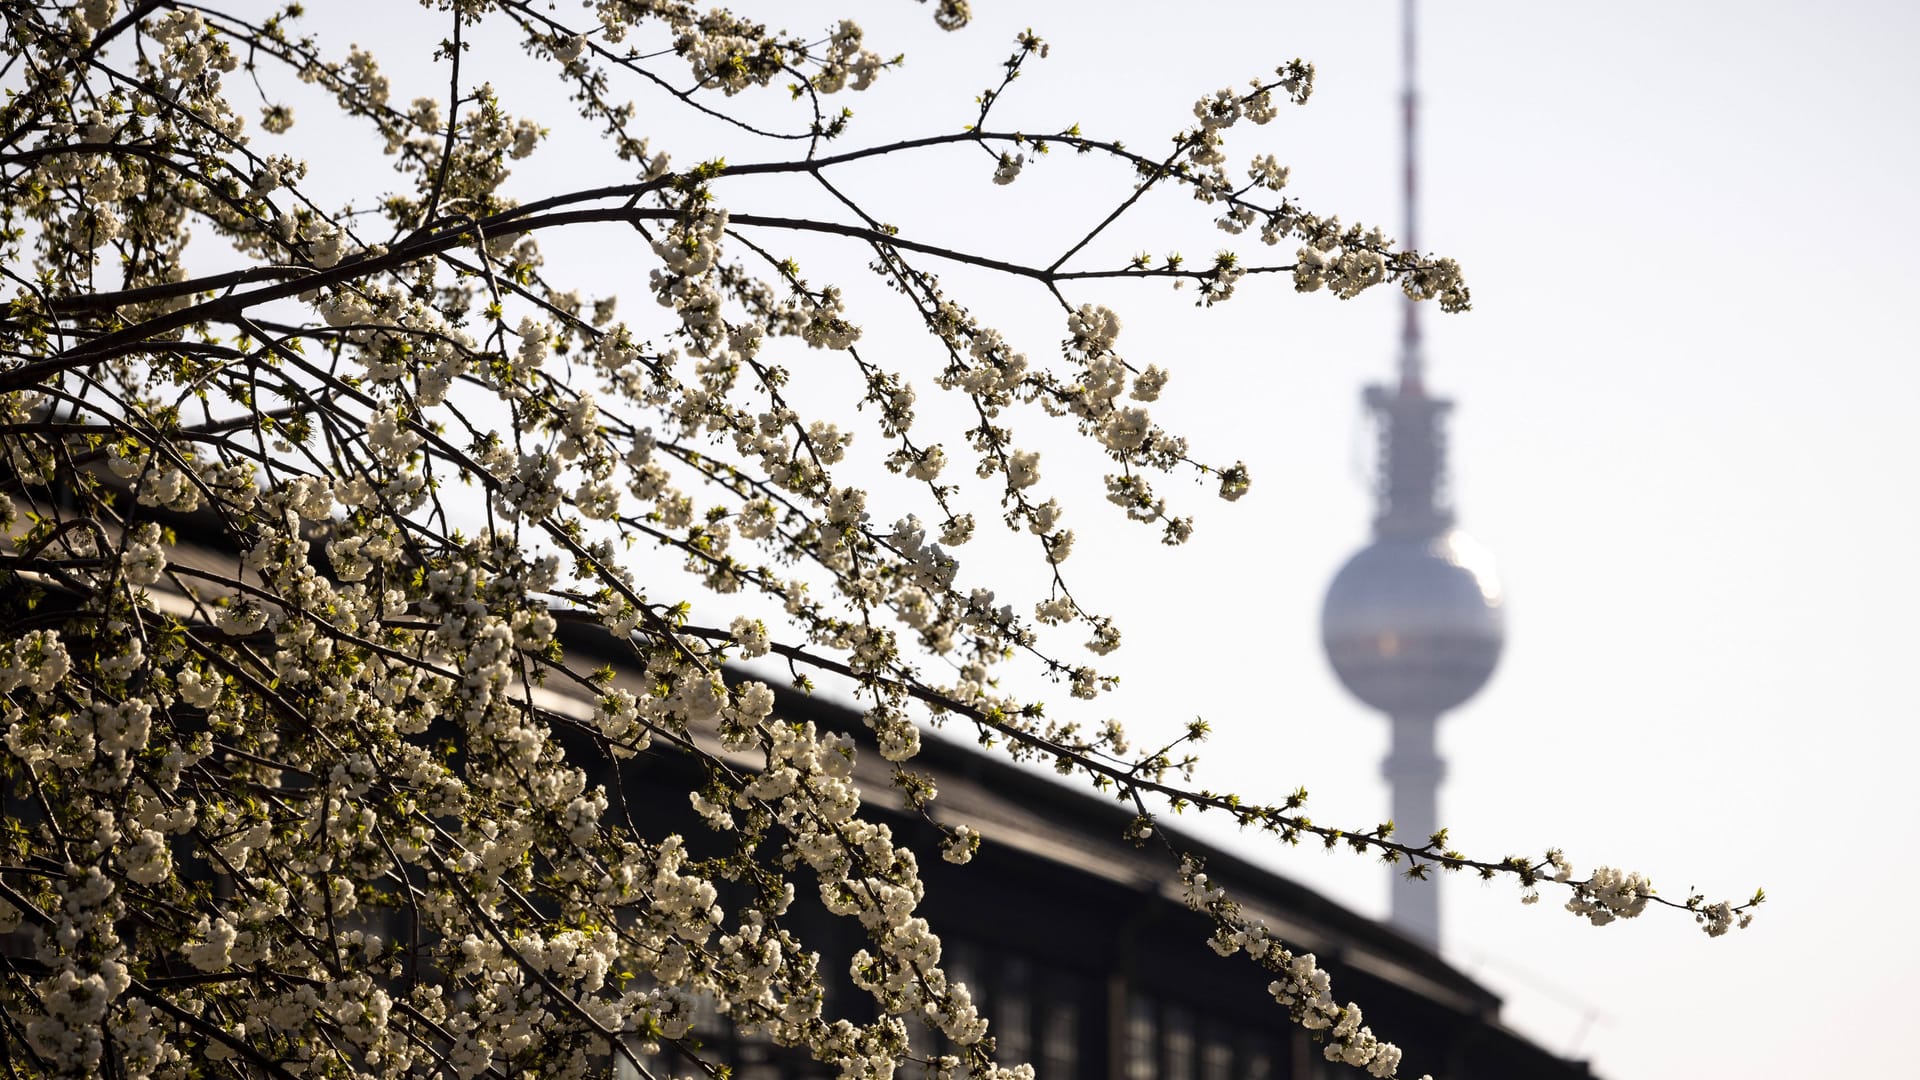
[1413, 624]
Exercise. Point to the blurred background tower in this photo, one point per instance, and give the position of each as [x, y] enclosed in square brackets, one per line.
[1413, 623]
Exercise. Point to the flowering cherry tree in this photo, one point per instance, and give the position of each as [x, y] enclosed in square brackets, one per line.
[301, 781]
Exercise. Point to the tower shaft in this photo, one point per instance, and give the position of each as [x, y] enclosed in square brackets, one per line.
[1413, 770]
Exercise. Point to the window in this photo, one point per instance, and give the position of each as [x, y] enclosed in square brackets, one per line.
[1035, 1015]
[1176, 1043]
[1216, 1055]
[657, 1063]
[1256, 1058]
[1060, 1033]
[1012, 1015]
[922, 1042]
[1137, 1042]
[964, 964]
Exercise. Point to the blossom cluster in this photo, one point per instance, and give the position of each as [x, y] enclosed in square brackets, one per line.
[1300, 986]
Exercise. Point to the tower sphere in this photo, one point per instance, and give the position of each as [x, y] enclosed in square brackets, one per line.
[1414, 624]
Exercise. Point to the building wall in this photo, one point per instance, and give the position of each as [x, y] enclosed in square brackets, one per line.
[1087, 966]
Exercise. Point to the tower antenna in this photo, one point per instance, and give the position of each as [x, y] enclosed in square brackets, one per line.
[1411, 359]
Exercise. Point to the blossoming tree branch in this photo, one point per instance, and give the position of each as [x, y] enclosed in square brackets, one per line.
[293, 524]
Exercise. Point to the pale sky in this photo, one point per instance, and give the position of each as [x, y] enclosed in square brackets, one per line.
[1685, 427]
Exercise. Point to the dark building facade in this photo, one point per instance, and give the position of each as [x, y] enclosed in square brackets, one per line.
[1081, 953]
